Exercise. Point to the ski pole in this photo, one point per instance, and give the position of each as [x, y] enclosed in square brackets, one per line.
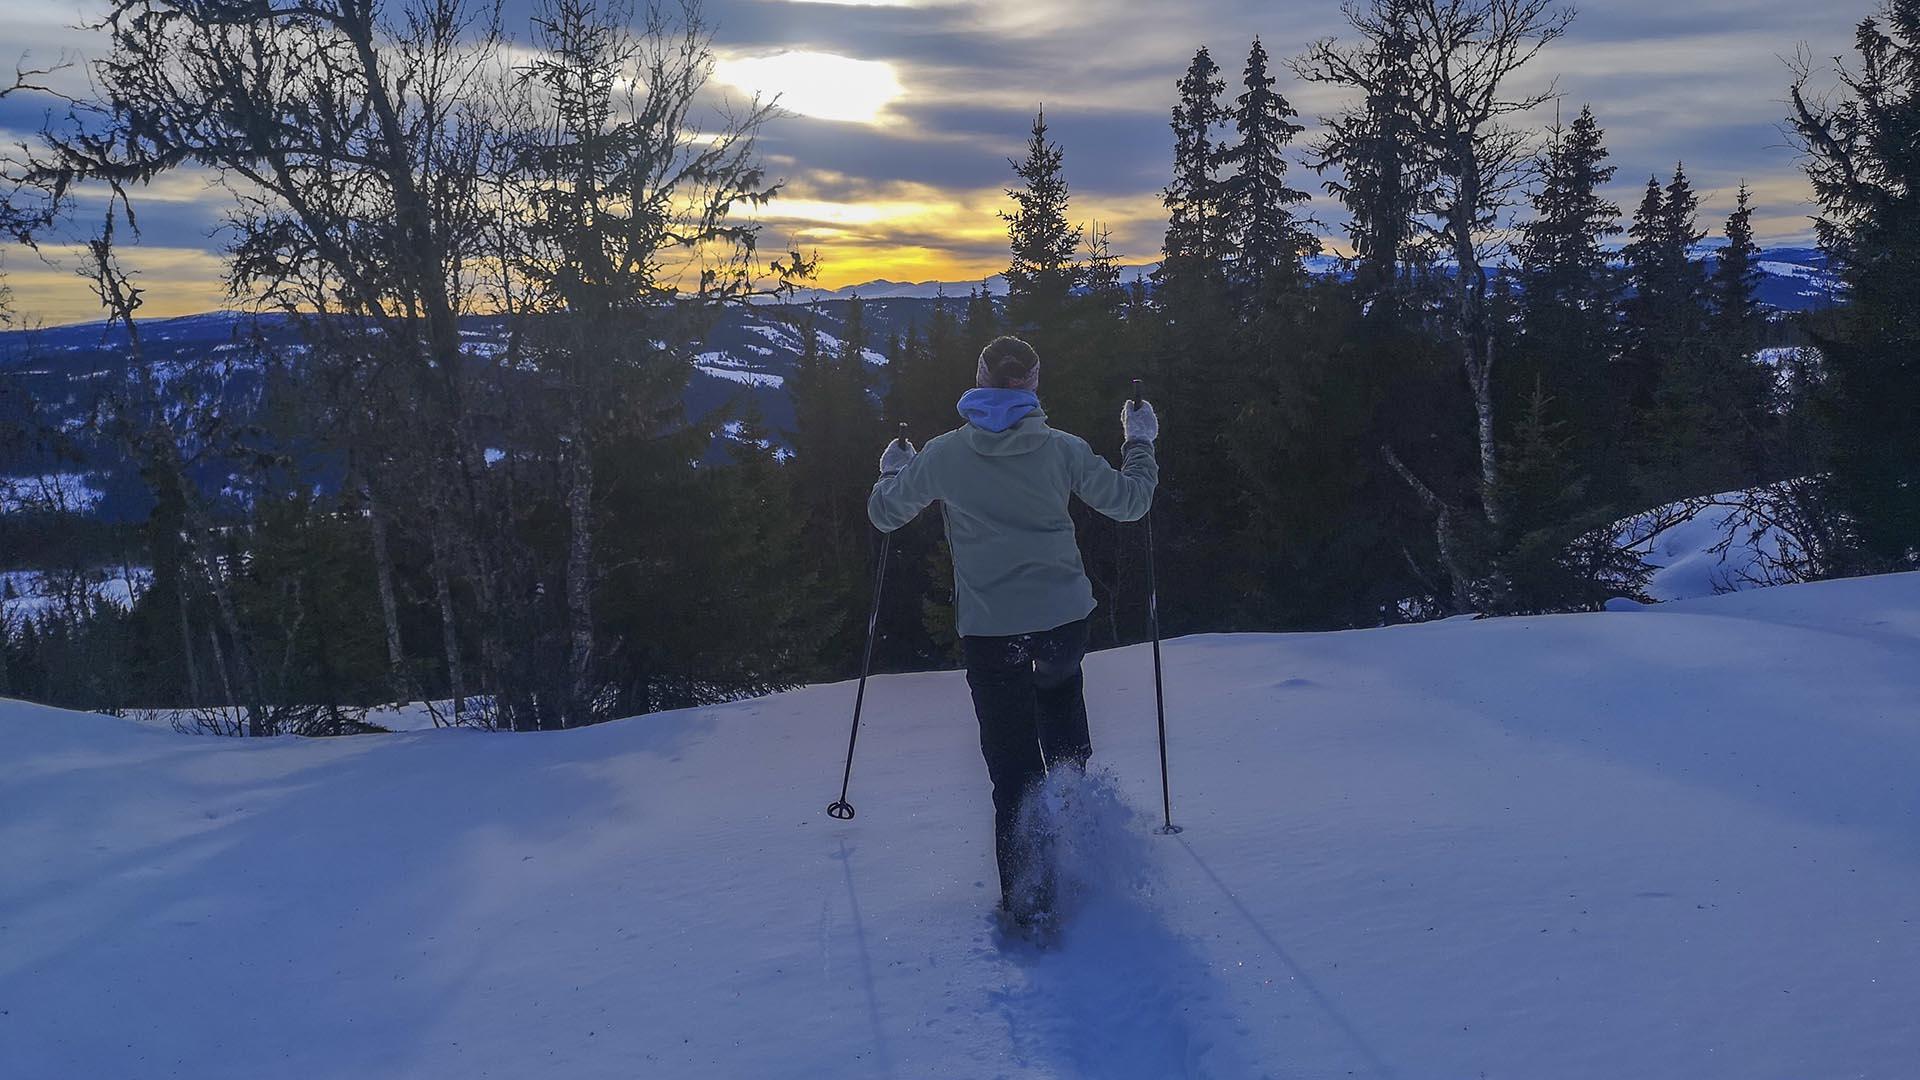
[841, 808]
[1159, 695]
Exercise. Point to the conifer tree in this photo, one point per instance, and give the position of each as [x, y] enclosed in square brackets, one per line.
[1452, 68]
[1698, 430]
[980, 325]
[1561, 256]
[1270, 243]
[1862, 159]
[1666, 315]
[1041, 272]
[909, 373]
[1374, 155]
[1558, 554]
[1681, 212]
[1195, 198]
[1195, 373]
[952, 363]
[1103, 272]
[1736, 308]
[1644, 248]
[1569, 291]
[921, 396]
[836, 440]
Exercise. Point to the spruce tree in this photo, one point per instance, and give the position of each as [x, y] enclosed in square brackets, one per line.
[1666, 315]
[980, 325]
[1195, 372]
[1041, 272]
[1569, 291]
[837, 441]
[1270, 243]
[1736, 309]
[1561, 256]
[1645, 246]
[1195, 198]
[1558, 554]
[919, 397]
[952, 363]
[1376, 158]
[1103, 272]
[1681, 212]
[1698, 427]
[1863, 156]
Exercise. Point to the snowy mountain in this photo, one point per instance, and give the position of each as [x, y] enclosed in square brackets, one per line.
[1669, 843]
[749, 354]
[995, 285]
[63, 374]
[1793, 279]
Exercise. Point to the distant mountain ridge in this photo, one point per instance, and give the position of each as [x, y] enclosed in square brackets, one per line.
[1794, 279]
[748, 356]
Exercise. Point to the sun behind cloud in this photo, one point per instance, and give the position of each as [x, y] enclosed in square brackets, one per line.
[822, 85]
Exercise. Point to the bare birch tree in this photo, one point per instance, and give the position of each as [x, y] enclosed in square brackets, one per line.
[1454, 65]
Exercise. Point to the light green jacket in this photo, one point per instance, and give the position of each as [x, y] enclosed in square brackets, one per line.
[1016, 564]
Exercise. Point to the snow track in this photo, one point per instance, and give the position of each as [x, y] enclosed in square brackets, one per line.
[1675, 842]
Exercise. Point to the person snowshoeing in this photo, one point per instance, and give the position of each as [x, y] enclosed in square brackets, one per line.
[1004, 480]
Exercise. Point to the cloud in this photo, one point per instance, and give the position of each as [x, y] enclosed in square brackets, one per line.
[47, 286]
[938, 94]
[817, 84]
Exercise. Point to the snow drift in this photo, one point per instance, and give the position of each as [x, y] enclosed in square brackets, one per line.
[1680, 841]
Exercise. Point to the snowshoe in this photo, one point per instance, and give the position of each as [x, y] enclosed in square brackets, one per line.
[1035, 929]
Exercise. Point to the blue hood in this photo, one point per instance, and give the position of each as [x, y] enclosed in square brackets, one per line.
[994, 409]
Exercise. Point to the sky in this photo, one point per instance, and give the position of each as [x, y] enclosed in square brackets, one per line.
[899, 116]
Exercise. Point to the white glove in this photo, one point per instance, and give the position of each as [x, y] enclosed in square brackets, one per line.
[1139, 422]
[898, 453]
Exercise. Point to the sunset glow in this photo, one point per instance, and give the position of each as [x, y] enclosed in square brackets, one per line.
[897, 117]
[815, 84]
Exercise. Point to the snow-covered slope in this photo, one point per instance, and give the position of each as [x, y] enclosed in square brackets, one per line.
[1712, 547]
[1675, 842]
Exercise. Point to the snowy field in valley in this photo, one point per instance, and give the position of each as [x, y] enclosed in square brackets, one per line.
[1674, 842]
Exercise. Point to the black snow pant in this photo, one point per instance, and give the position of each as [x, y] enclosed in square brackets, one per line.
[1029, 695]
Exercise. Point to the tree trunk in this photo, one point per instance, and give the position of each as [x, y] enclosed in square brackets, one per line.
[220, 665]
[389, 609]
[1480, 377]
[579, 582]
[186, 640]
[449, 629]
[230, 619]
[1476, 337]
[1444, 530]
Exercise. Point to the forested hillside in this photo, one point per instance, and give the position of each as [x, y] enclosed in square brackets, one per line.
[523, 418]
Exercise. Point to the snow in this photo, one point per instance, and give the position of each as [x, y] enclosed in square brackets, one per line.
[1792, 270]
[1715, 549]
[833, 346]
[776, 333]
[747, 378]
[1680, 841]
[35, 593]
[73, 492]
